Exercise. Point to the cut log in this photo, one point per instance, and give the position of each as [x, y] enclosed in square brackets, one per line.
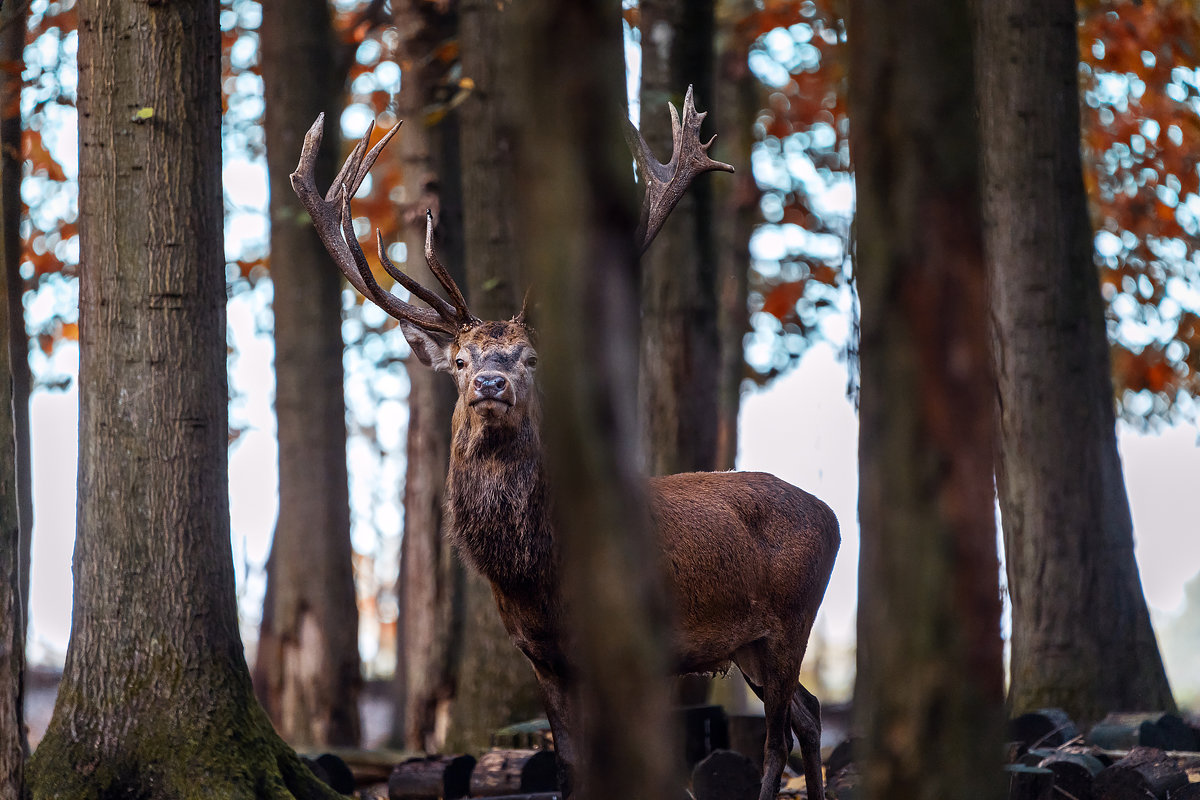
[532, 735]
[705, 729]
[1124, 731]
[446, 777]
[1074, 773]
[1189, 791]
[726, 775]
[1046, 727]
[842, 756]
[844, 784]
[368, 766]
[748, 735]
[1146, 772]
[1029, 783]
[502, 772]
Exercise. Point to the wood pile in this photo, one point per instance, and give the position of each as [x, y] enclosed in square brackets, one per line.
[1125, 756]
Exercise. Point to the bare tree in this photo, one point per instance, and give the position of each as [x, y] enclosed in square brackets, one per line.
[1068, 534]
[430, 587]
[930, 679]
[680, 344]
[307, 671]
[12, 52]
[155, 700]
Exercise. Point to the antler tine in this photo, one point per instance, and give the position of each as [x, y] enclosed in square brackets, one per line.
[421, 317]
[335, 226]
[666, 183]
[464, 315]
[444, 309]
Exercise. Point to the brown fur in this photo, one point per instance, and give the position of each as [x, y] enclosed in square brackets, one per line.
[748, 556]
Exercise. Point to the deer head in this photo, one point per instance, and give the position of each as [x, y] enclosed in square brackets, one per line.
[492, 362]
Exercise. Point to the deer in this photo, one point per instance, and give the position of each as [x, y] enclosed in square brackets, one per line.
[747, 556]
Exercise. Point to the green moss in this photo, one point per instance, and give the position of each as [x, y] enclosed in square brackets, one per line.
[232, 752]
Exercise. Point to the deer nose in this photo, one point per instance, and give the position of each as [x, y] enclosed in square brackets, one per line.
[489, 384]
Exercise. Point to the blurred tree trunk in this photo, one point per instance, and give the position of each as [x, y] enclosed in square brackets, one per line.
[12, 52]
[14, 584]
[497, 685]
[575, 227]
[155, 700]
[680, 364]
[739, 96]
[930, 677]
[1067, 528]
[307, 672]
[431, 577]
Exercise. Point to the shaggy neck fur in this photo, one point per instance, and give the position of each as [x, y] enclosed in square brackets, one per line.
[499, 504]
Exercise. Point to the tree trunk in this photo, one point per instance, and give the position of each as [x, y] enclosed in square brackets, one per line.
[12, 51]
[930, 678]
[680, 360]
[1067, 528]
[738, 98]
[307, 672]
[15, 511]
[155, 700]
[575, 223]
[497, 685]
[431, 577]
[737, 101]
[13, 746]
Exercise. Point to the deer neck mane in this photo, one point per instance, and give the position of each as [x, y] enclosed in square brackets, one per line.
[499, 504]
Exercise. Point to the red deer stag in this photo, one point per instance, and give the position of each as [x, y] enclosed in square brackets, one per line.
[748, 556]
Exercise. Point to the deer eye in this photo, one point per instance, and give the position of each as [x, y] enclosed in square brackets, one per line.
[458, 362]
[531, 361]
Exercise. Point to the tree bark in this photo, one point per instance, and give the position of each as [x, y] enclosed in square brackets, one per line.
[680, 360]
[930, 678]
[13, 745]
[575, 223]
[431, 577]
[738, 98]
[155, 700]
[12, 51]
[307, 672]
[15, 506]
[1068, 535]
[497, 685]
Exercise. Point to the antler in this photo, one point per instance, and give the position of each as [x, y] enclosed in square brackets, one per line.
[335, 225]
[666, 183]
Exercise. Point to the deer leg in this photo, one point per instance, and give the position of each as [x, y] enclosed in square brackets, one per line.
[806, 722]
[779, 737]
[558, 712]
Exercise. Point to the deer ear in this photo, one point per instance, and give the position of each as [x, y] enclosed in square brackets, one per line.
[432, 348]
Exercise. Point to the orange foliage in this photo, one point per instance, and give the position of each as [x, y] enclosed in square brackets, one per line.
[1141, 145]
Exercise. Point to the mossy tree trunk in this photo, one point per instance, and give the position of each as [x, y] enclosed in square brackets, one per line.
[429, 591]
[575, 225]
[496, 684]
[680, 360]
[930, 679]
[155, 700]
[12, 51]
[1081, 635]
[307, 671]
